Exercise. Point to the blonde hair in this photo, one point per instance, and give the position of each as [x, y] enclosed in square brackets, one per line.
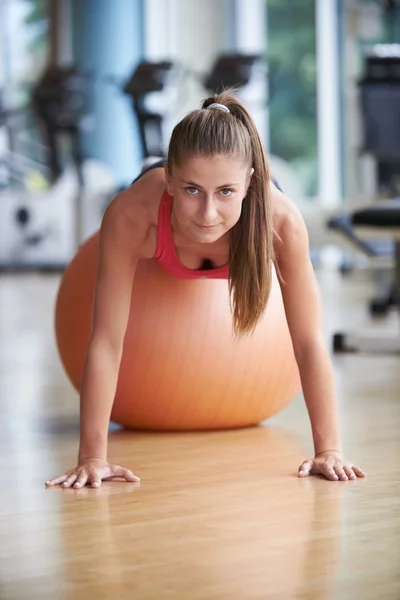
[251, 250]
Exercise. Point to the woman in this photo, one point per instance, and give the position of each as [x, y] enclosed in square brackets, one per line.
[225, 219]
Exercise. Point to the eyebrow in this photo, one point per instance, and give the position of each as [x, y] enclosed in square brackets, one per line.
[221, 187]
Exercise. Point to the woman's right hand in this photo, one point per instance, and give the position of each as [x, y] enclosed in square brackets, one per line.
[92, 471]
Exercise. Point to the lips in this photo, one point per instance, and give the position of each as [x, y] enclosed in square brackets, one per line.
[206, 227]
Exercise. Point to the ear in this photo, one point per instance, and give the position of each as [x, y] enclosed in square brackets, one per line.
[168, 180]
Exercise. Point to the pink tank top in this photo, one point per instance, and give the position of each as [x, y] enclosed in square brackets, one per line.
[166, 253]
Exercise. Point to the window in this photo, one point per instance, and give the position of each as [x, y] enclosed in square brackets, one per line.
[23, 25]
[23, 55]
[293, 88]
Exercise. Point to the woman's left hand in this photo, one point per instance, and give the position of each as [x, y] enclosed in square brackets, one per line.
[331, 465]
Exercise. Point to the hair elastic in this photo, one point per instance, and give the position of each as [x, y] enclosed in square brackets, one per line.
[219, 107]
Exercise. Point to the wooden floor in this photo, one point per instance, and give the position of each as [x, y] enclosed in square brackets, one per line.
[217, 515]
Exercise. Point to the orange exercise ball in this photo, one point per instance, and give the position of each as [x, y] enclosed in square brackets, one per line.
[181, 367]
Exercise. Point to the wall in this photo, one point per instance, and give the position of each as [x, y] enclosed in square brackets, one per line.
[108, 38]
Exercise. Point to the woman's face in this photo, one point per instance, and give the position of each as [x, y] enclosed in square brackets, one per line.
[208, 194]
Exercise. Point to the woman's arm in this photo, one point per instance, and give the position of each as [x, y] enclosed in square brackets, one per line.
[116, 270]
[120, 241]
[303, 309]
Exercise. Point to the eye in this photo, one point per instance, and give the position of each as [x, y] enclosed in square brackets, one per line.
[191, 191]
[226, 192]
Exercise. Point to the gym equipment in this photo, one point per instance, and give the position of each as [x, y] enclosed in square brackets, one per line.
[382, 219]
[153, 87]
[379, 253]
[379, 101]
[42, 230]
[232, 70]
[61, 100]
[380, 97]
[17, 167]
[182, 368]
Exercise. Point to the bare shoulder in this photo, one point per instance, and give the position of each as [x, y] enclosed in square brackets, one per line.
[132, 215]
[289, 226]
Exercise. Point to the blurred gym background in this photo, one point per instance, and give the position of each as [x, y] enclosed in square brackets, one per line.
[91, 89]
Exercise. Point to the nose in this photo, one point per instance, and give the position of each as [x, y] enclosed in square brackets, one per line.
[210, 212]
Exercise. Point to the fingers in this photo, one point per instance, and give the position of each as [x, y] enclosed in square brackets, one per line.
[95, 480]
[117, 471]
[359, 472]
[81, 481]
[91, 477]
[341, 473]
[305, 468]
[88, 474]
[75, 479]
[329, 472]
[127, 474]
[349, 472]
[70, 480]
[57, 480]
